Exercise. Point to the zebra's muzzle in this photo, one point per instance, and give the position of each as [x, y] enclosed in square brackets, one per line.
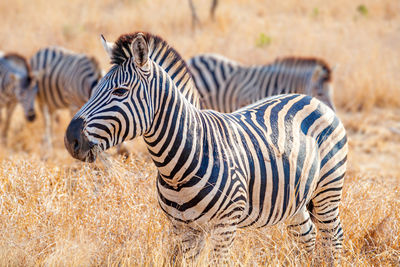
[77, 143]
[31, 116]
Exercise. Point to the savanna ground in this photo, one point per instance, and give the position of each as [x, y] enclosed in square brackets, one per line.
[57, 211]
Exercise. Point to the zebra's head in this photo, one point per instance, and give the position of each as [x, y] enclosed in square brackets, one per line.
[121, 107]
[23, 83]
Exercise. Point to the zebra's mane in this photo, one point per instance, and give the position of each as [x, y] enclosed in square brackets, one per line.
[122, 50]
[307, 61]
[19, 62]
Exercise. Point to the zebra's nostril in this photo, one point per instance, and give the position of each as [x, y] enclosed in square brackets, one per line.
[31, 117]
[76, 146]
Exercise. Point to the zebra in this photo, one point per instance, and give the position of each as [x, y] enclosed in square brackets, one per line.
[17, 84]
[65, 80]
[282, 159]
[226, 85]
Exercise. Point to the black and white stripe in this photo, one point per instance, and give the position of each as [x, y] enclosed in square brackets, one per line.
[225, 85]
[65, 80]
[16, 86]
[280, 159]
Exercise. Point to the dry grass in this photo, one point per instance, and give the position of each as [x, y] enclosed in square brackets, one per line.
[56, 211]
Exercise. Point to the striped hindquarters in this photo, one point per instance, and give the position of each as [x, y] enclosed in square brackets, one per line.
[65, 79]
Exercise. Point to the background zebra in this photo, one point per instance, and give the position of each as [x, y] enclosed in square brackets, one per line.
[277, 160]
[17, 84]
[65, 80]
[226, 85]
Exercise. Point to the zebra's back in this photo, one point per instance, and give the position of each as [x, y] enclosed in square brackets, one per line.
[246, 85]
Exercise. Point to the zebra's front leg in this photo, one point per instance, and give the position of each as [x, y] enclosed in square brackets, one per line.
[190, 242]
[47, 138]
[222, 237]
[9, 111]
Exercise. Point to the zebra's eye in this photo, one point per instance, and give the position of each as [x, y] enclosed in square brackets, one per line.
[120, 91]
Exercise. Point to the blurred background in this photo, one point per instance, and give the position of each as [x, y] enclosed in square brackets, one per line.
[359, 39]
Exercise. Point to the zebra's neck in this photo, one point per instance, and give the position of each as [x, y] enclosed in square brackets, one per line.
[177, 131]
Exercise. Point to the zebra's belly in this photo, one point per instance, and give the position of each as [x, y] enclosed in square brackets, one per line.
[204, 203]
[55, 100]
[265, 216]
[262, 206]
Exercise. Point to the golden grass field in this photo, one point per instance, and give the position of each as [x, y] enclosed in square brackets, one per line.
[57, 211]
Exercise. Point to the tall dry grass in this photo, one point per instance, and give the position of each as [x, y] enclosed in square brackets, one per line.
[57, 211]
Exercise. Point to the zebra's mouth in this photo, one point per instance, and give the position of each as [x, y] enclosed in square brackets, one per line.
[78, 143]
[91, 155]
[93, 152]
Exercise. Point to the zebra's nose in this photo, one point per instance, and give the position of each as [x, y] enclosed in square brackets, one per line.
[31, 116]
[75, 141]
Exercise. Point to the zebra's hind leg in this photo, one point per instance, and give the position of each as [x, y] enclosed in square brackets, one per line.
[47, 143]
[303, 229]
[325, 212]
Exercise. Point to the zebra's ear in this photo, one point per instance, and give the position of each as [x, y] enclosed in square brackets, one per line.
[140, 50]
[108, 46]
